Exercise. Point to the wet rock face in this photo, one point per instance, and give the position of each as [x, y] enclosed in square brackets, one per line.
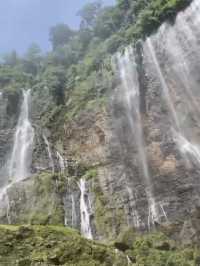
[9, 110]
[169, 106]
[41, 106]
[172, 98]
[36, 200]
[169, 100]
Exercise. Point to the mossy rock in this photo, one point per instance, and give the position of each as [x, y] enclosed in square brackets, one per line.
[158, 250]
[38, 201]
[126, 239]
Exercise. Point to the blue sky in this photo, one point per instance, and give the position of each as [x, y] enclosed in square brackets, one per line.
[26, 21]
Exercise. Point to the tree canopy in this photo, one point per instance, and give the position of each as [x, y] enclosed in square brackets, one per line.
[79, 59]
[60, 35]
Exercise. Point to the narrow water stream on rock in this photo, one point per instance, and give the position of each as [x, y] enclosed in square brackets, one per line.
[61, 163]
[49, 153]
[74, 214]
[127, 66]
[84, 210]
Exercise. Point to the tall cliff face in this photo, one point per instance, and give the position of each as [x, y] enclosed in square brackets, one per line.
[140, 155]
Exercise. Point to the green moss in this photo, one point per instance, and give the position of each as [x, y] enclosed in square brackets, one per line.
[91, 173]
[126, 239]
[158, 250]
[107, 216]
[55, 245]
[46, 205]
[39, 218]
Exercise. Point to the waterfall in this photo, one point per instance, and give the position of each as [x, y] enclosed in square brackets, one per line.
[1, 113]
[8, 208]
[72, 219]
[128, 260]
[49, 153]
[135, 216]
[4, 200]
[61, 163]
[129, 80]
[74, 215]
[19, 167]
[21, 156]
[163, 84]
[187, 147]
[84, 211]
[178, 44]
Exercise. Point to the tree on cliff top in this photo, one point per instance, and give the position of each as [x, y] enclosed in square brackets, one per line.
[89, 14]
[60, 35]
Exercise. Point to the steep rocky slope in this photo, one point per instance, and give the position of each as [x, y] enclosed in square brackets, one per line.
[99, 143]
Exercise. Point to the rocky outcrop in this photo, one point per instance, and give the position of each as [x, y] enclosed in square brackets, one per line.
[35, 200]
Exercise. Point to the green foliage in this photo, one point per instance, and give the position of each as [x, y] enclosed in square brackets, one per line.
[32, 60]
[11, 59]
[13, 77]
[60, 35]
[91, 173]
[113, 43]
[78, 71]
[158, 250]
[13, 95]
[63, 55]
[148, 15]
[53, 245]
[34, 53]
[105, 24]
[46, 205]
[89, 14]
[55, 78]
[56, 245]
[124, 4]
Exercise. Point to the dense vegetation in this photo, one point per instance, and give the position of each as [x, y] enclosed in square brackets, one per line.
[77, 74]
[77, 71]
[53, 245]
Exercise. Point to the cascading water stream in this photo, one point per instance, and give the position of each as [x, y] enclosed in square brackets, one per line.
[164, 85]
[84, 210]
[74, 215]
[181, 72]
[130, 84]
[128, 260]
[61, 163]
[62, 167]
[21, 156]
[19, 167]
[136, 220]
[49, 153]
